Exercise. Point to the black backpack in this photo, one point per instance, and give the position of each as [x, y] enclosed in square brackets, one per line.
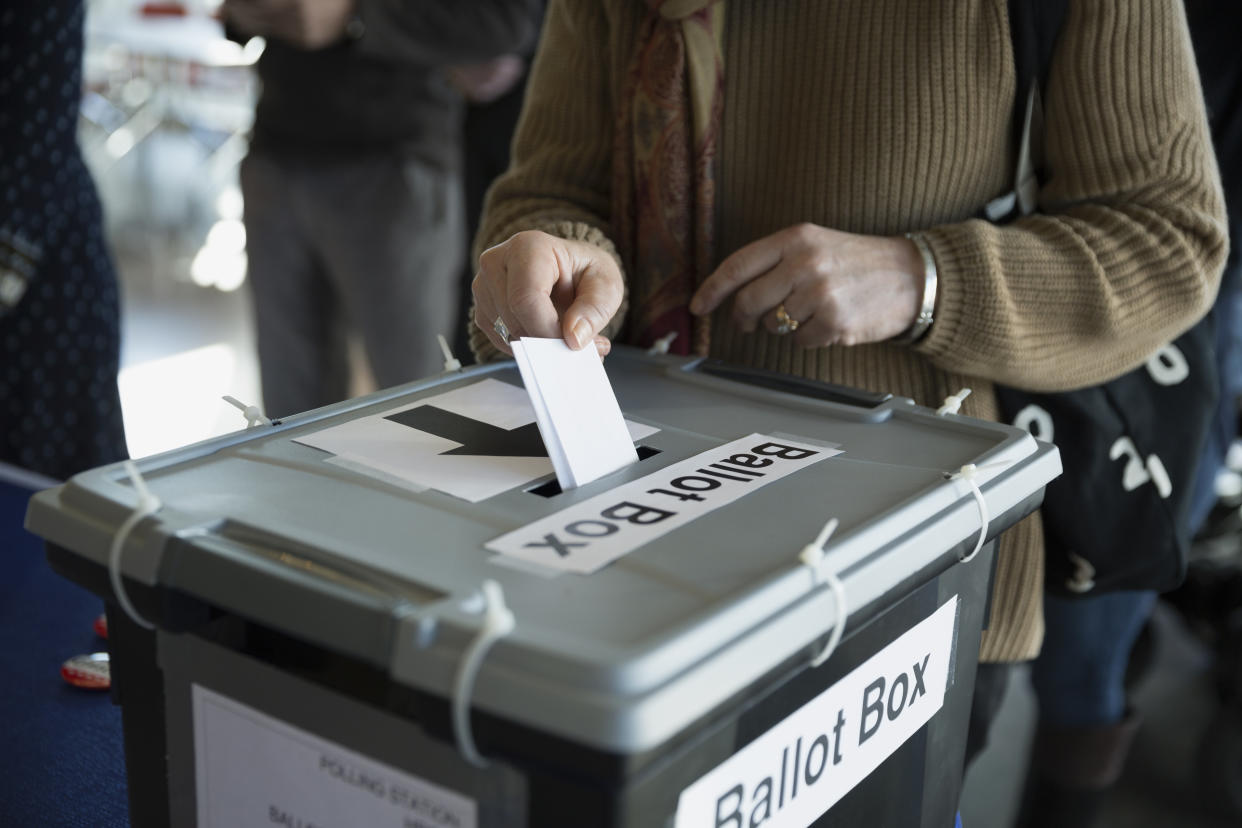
[1118, 518]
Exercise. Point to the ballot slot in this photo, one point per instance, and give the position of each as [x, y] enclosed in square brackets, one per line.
[552, 487]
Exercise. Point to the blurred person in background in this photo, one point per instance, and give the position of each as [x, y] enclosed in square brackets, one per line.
[494, 92]
[352, 186]
[1086, 724]
[60, 412]
[1213, 28]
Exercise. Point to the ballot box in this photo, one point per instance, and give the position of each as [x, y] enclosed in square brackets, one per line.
[387, 613]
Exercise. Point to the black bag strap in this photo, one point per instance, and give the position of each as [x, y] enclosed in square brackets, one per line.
[1034, 26]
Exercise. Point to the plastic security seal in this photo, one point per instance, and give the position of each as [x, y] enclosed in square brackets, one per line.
[969, 473]
[252, 413]
[498, 621]
[953, 403]
[812, 557]
[148, 504]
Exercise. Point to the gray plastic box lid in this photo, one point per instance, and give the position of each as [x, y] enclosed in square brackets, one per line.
[621, 660]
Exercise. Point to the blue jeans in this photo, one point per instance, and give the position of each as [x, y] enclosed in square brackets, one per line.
[1079, 676]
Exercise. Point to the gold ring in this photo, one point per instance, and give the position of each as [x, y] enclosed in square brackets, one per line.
[784, 322]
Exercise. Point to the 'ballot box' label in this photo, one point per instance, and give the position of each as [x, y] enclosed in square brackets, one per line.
[253, 770]
[590, 534]
[800, 768]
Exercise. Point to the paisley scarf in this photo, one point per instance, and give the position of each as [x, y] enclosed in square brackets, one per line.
[664, 181]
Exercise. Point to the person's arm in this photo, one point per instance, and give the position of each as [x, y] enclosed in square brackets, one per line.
[559, 180]
[440, 33]
[1127, 249]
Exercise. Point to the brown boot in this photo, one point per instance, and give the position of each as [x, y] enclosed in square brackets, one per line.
[1072, 768]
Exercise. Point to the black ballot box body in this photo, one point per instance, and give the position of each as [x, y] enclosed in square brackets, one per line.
[313, 614]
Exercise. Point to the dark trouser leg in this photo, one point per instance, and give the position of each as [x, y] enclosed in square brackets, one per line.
[391, 229]
[297, 315]
[1085, 729]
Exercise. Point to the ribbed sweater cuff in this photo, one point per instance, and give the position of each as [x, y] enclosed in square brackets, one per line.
[956, 253]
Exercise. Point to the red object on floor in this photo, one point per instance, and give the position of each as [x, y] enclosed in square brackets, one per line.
[90, 672]
[163, 10]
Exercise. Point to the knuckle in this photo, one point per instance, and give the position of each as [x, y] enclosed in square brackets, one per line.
[525, 239]
[803, 231]
[479, 283]
[491, 258]
[820, 266]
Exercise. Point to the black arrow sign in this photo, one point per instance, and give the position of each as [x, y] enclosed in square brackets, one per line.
[476, 437]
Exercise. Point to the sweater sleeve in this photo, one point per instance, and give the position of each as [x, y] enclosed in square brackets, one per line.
[1126, 250]
[559, 178]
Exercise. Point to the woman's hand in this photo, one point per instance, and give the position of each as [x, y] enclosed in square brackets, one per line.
[840, 288]
[541, 285]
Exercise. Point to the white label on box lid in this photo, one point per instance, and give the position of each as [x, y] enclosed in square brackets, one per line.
[590, 534]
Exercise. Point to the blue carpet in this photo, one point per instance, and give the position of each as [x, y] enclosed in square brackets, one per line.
[63, 762]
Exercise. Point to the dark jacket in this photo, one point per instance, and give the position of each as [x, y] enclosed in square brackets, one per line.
[386, 88]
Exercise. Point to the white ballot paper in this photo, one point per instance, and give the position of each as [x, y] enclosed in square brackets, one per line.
[577, 412]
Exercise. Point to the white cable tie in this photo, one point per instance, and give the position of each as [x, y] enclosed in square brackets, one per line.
[953, 402]
[661, 345]
[252, 413]
[498, 621]
[451, 363]
[968, 473]
[148, 504]
[812, 556]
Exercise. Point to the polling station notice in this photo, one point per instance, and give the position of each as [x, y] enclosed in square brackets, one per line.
[793, 773]
[255, 771]
[595, 532]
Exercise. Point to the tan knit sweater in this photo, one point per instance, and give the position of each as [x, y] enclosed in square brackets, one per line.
[885, 116]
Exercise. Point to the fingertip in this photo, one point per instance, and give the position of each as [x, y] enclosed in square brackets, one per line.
[603, 346]
[701, 303]
[579, 334]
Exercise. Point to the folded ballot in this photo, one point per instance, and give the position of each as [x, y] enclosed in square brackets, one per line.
[576, 410]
